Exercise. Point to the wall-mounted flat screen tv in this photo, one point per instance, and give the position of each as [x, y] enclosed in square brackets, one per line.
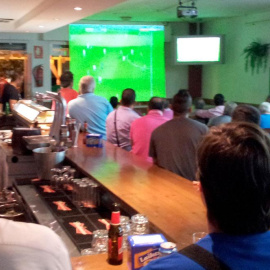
[199, 49]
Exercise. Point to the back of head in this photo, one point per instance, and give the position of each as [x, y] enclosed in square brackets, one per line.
[87, 84]
[166, 103]
[199, 103]
[234, 170]
[264, 108]
[114, 101]
[246, 113]
[156, 103]
[219, 99]
[229, 108]
[66, 79]
[128, 97]
[181, 102]
[15, 76]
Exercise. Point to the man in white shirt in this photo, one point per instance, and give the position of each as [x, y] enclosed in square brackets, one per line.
[217, 111]
[119, 121]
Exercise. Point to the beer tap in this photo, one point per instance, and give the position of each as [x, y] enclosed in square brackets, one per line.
[59, 115]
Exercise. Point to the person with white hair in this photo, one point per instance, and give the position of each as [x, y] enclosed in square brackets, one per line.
[265, 114]
[90, 108]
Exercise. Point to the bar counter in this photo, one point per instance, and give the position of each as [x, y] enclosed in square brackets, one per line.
[172, 203]
[96, 262]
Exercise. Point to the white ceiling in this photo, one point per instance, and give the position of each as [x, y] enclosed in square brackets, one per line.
[29, 15]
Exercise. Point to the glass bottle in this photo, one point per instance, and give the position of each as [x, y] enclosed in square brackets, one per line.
[115, 238]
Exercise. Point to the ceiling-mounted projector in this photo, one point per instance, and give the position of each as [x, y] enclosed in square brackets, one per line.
[187, 11]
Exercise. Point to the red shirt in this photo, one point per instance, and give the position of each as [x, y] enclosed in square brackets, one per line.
[68, 94]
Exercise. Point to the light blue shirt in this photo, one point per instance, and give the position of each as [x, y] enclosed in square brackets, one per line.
[92, 109]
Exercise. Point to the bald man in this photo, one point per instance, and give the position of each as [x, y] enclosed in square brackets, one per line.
[142, 128]
[90, 108]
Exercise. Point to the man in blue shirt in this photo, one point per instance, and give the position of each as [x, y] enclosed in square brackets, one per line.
[234, 174]
[90, 108]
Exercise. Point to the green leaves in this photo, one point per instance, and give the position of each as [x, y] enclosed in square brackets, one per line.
[256, 55]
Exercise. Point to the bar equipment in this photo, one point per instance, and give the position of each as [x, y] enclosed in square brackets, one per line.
[32, 115]
[46, 160]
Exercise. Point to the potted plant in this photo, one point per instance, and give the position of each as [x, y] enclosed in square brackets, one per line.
[256, 55]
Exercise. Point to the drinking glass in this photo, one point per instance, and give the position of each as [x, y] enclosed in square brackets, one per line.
[198, 236]
[125, 223]
[139, 224]
[100, 241]
[75, 136]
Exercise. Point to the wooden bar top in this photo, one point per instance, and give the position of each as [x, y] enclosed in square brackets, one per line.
[172, 203]
[96, 262]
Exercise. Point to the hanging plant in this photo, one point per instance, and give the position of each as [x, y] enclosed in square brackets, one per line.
[256, 55]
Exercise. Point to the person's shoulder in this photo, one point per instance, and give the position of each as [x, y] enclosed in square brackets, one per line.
[7, 87]
[32, 235]
[197, 124]
[137, 121]
[101, 98]
[110, 116]
[175, 261]
[134, 114]
[166, 126]
[36, 239]
[72, 102]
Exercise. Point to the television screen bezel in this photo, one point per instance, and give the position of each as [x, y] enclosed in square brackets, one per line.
[221, 61]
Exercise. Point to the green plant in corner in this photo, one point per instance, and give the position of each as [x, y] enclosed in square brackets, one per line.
[256, 55]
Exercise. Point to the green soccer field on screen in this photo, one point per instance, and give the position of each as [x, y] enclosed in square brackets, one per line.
[119, 57]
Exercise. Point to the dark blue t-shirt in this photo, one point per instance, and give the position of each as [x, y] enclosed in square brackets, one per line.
[237, 252]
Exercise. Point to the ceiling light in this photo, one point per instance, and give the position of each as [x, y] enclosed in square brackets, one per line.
[41, 26]
[78, 8]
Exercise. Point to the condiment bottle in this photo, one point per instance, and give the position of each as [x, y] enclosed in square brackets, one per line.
[115, 238]
[167, 248]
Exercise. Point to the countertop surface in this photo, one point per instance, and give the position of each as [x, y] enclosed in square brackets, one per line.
[172, 203]
[97, 262]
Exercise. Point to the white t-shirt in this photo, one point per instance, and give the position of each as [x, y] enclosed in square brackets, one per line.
[27, 246]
